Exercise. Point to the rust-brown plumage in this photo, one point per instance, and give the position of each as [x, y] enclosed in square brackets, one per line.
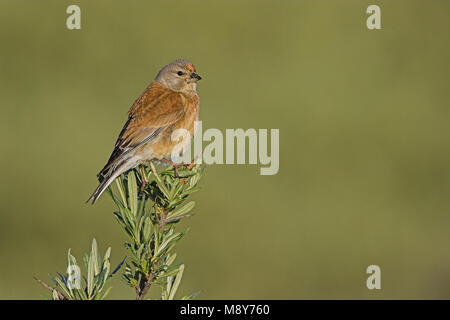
[169, 103]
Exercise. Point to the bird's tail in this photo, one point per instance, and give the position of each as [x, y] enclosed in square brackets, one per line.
[108, 178]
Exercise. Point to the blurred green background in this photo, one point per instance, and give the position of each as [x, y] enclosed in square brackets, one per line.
[364, 141]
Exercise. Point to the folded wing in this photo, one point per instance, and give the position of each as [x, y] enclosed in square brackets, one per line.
[155, 109]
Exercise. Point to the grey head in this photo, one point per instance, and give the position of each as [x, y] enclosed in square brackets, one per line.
[179, 75]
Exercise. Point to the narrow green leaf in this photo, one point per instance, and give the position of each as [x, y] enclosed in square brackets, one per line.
[190, 297]
[176, 282]
[91, 273]
[95, 256]
[133, 193]
[147, 229]
[86, 260]
[71, 259]
[159, 182]
[167, 241]
[55, 295]
[106, 293]
[170, 259]
[121, 188]
[107, 254]
[182, 211]
[63, 287]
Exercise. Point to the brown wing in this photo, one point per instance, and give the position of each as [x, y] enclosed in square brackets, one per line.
[154, 110]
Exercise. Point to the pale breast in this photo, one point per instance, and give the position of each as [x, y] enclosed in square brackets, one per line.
[178, 136]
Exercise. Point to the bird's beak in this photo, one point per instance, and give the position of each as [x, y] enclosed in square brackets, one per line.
[195, 76]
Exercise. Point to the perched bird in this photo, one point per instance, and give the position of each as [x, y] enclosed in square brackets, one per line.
[169, 103]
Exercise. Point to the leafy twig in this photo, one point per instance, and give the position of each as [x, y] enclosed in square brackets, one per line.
[148, 212]
[45, 285]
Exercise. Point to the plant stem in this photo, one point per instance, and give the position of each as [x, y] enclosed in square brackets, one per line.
[146, 282]
[60, 295]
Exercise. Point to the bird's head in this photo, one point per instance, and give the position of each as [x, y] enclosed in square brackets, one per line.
[180, 76]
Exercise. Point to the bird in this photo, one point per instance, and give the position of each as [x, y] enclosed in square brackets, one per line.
[170, 102]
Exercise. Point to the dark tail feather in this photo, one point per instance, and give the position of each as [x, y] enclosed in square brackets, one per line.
[105, 180]
[99, 190]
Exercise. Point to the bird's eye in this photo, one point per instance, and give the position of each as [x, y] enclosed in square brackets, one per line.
[180, 73]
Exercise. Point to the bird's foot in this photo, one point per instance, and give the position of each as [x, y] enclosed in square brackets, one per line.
[174, 165]
[188, 166]
[194, 162]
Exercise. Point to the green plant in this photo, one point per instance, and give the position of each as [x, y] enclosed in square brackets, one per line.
[150, 229]
[75, 286]
[150, 204]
